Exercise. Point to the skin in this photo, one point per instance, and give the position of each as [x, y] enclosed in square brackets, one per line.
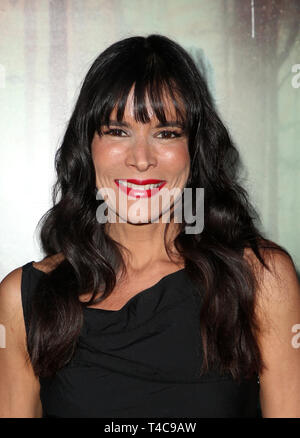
[141, 151]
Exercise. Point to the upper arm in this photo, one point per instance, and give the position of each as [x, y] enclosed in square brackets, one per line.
[278, 312]
[19, 387]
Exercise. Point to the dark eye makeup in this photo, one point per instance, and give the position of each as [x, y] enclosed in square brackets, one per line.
[116, 133]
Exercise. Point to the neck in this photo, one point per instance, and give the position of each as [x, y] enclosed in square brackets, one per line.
[144, 242]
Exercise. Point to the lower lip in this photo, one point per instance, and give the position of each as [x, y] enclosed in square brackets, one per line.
[140, 193]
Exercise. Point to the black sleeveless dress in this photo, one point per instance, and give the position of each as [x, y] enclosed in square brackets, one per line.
[142, 361]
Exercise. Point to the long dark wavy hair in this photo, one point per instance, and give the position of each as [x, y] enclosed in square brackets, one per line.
[214, 259]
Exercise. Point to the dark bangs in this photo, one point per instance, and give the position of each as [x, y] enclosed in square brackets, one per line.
[156, 88]
[157, 93]
[155, 73]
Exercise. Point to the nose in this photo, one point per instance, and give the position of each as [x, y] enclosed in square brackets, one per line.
[141, 154]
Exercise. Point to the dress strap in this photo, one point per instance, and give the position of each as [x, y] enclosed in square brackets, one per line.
[29, 282]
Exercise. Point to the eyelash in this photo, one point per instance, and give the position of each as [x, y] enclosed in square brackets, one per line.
[177, 134]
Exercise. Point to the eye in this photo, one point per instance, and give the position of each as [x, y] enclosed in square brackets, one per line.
[166, 134]
[175, 133]
[114, 132]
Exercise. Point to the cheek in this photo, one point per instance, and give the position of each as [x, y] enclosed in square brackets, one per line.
[100, 164]
[104, 158]
[178, 162]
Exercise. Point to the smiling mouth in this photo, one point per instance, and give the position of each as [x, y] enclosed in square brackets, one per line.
[126, 183]
[140, 190]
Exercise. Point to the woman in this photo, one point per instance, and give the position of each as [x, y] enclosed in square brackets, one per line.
[138, 317]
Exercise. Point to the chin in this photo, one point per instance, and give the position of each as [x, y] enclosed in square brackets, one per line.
[139, 220]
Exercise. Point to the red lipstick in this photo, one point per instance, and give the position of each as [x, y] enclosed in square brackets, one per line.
[140, 193]
[144, 181]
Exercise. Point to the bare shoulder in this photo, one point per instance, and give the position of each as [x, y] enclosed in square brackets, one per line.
[278, 288]
[19, 387]
[10, 295]
[10, 287]
[280, 271]
[11, 310]
[49, 263]
[278, 315]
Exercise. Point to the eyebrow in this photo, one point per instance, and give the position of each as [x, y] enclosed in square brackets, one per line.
[171, 123]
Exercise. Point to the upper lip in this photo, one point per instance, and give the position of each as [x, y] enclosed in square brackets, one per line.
[142, 181]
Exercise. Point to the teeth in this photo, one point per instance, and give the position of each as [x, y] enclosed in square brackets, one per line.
[137, 186]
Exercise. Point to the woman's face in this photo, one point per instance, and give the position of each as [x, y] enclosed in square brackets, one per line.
[133, 150]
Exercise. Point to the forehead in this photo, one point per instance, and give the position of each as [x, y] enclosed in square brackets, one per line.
[168, 106]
